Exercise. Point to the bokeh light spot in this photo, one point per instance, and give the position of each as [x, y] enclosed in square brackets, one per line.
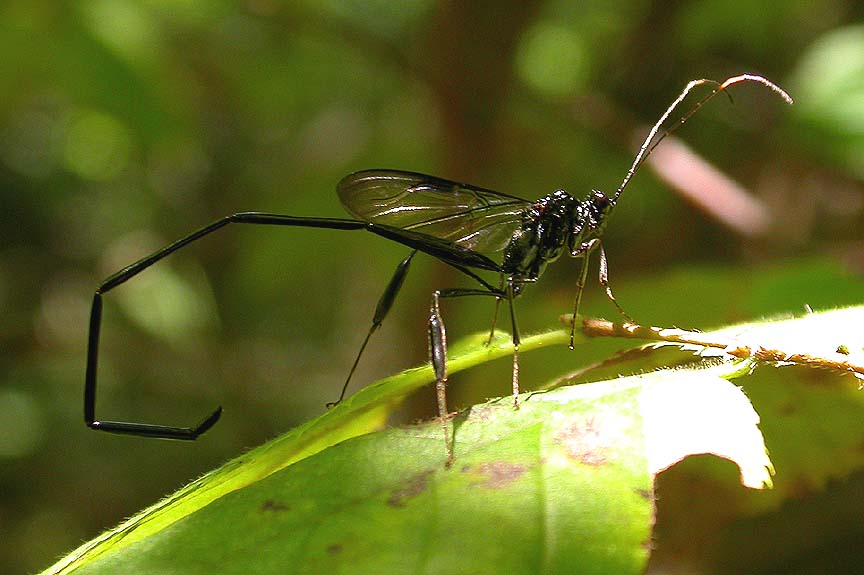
[96, 146]
[551, 60]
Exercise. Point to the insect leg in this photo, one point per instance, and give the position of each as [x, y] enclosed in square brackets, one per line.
[584, 250]
[510, 295]
[127, 273]
[381, 310]
[604, 281]
[437, 334]
[438, 357]
[495, 314]
[498, 292]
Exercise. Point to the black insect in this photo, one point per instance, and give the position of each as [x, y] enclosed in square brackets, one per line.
[472, 229]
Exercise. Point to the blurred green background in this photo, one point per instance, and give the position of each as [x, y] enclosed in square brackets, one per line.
[127, 124]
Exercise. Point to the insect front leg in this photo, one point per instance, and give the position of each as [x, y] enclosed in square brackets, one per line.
[604, 281]
[584, 251]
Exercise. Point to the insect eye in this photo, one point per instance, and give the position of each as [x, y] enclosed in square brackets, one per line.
[600, 199]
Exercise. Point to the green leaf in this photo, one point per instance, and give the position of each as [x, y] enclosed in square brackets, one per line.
[361, 413]
[566, 480]
[811, 418]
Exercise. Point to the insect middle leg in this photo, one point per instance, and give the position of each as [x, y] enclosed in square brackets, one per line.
[438, 352]
[495, 314]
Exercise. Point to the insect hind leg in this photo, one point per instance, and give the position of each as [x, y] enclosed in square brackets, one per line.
[385, 302]
[129, 272]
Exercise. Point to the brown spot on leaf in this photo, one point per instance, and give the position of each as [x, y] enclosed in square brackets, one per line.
[481, 413]
[787, 409]
[584, 441]
[646, 494]
[802, 488]
[334, 548]
[414, 487]
[273, 505]
[495, 474]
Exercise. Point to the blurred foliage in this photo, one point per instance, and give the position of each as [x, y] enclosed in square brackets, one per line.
[127, 124]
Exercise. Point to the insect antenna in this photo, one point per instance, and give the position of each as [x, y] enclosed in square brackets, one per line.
[652, 140]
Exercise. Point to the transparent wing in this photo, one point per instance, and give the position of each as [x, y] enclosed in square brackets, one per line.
[474, 218]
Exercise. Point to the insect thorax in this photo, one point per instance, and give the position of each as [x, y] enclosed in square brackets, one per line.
[543, 236]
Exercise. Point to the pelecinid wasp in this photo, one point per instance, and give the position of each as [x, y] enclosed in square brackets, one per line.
[472, 229]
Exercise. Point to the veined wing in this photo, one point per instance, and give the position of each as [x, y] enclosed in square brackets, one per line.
[474, 218]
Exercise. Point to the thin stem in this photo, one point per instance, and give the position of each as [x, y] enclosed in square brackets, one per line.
[735, 348]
